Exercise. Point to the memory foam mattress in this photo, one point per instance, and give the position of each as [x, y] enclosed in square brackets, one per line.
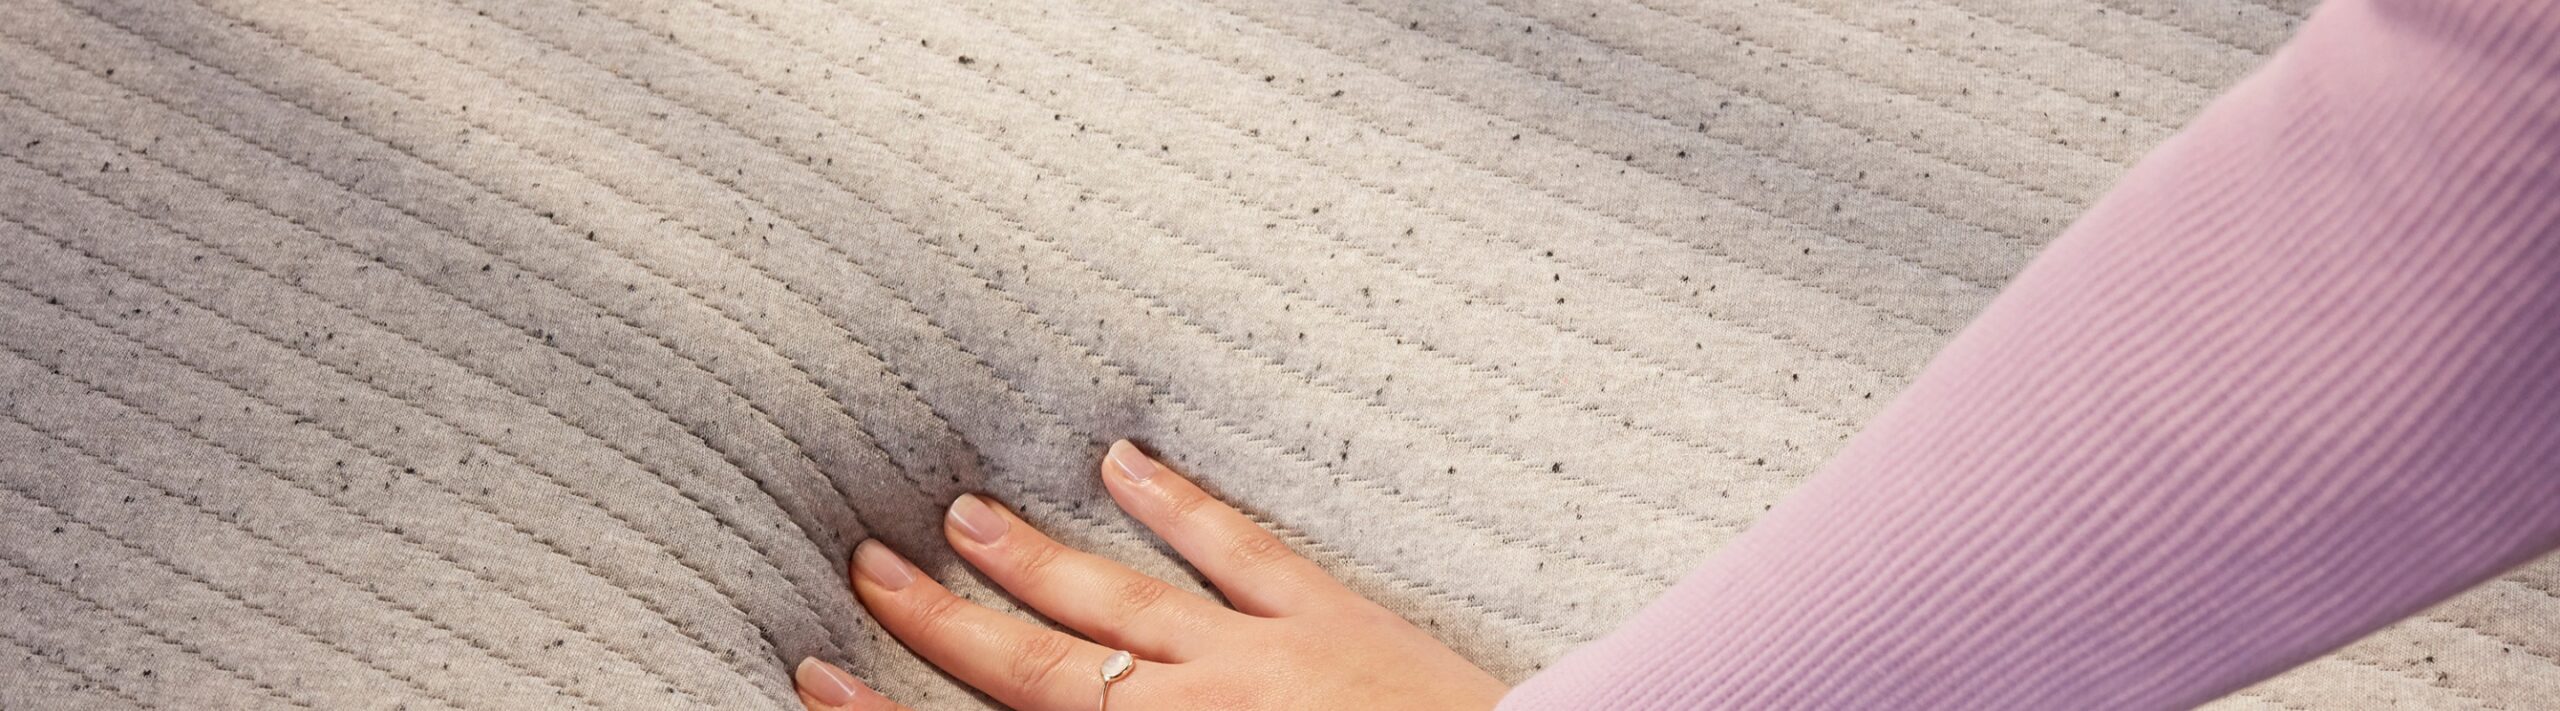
[552, 353]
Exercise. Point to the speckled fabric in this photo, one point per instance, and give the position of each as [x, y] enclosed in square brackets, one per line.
[553, 353]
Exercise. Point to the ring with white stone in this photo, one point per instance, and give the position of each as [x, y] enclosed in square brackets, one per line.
[1114, 668]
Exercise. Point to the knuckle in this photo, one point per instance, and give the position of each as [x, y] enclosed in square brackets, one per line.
[1037, 659]
[1186, 507]
[1257, 550]
[1034, 565]
[1132, 599]
[934, 617]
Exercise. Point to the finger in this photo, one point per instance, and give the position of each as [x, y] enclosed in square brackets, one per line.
[1025, 666]
[1104, 600]
[1254, 569]
[827, 687]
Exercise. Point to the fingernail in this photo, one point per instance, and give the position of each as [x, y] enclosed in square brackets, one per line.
[976, 518]
[1132, 463]
[826, 683]
[877, 562]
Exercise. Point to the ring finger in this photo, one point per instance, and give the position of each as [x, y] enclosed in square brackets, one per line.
[1023, 665]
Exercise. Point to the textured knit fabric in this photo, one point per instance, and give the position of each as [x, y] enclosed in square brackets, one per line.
[2297, 377]
[550, 354]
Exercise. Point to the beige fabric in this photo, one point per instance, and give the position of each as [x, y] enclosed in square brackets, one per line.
[551, 354]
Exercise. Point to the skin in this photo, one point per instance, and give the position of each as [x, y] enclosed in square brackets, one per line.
[1295, 638]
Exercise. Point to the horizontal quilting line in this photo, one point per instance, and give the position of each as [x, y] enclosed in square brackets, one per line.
[2280, 6]
[643, 141]
[1406, 498]
[1472, 163]
[2550, 663]
[336, 306]
[963, 349]
[1468, 163]
[1473, 522]
[1414, 345]
[2093, 52]
[928, 409]
[2431, 681]
[2137, 12]
[919, 485]
[305, 417]
[1840, 175]
[1236, 431]
[2437, 683]
[9, 556]
[1715, 251]
[1053, 421]
[1269, 361]
[2365, 652]
[1808, 113]
[755, 266]
[1373, 402]
[343, 577]
[800, 447]
[1058, 423]
[417, 690]
[806, 234]
[2529, 646]
[807, 604]
[387, 459]
[2089, 100]
[1286, 216]
[93, 681]
[368, 518]
[1170, 396]
[1035, 235]
[1743, 325]
[1421, 272]
[1429, 147]
[2295, 11]
[1939, 101]
[2529, 584]
[535, 334]
[2024, 13]
[1799, 110]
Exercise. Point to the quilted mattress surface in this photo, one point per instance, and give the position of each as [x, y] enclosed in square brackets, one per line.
[512, 354]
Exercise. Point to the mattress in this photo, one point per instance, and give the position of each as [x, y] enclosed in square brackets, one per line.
[553, 353]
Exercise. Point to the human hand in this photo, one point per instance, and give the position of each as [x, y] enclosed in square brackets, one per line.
[1295, 638]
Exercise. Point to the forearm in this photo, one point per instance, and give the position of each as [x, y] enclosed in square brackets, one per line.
[2293, 379]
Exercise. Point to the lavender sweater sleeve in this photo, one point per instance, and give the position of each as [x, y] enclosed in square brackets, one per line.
[2296, 377]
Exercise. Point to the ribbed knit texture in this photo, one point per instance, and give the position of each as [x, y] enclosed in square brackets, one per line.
[548, 354]
[2296, 377]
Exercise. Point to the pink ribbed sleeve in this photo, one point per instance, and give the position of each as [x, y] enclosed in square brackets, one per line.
[2296, 377]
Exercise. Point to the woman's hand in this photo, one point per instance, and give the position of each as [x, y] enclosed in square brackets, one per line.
[1296, 638]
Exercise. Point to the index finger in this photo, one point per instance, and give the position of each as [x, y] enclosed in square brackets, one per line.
[827, 687]
[1256, 571]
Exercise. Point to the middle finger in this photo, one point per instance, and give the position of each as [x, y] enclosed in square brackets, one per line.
[1099, 597]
